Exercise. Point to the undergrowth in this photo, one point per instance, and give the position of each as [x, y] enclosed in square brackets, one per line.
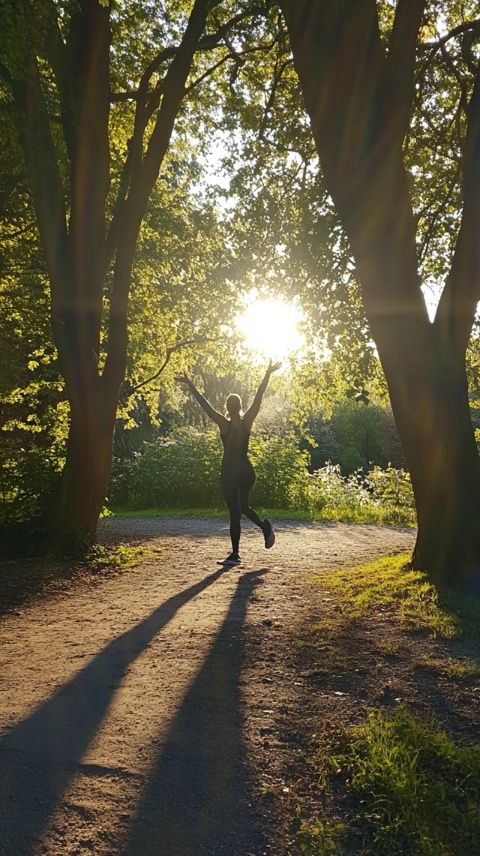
[415, 792]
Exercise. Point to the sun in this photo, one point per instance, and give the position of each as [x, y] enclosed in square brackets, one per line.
[270, 328]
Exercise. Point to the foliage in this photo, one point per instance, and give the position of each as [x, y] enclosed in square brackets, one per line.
[320, 839]
[361, 433]
[281, 472]
[416, 791]
[123, 557]
[380, 496]
[241, 203]
[390, 585]
[181, 470]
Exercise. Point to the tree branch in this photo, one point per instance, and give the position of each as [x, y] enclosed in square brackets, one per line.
[400, 77]
[44, 174]
[342, 66]
[433, 47]
[456, 310]
[168, 355]
[144, 173]
[279, 69]
[90, 159]
[467, 26]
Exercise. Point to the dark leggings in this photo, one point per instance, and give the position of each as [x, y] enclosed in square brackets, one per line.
[235, 488]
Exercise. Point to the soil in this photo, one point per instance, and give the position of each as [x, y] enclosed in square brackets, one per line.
[169, 709]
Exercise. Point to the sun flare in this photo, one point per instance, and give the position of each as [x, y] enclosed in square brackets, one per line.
[270, 328]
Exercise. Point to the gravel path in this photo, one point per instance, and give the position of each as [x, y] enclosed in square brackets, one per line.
[131, 708]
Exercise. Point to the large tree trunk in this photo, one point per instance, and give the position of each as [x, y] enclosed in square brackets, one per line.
[358, 98]
[69, 176]
[429, 396]
[86, 473]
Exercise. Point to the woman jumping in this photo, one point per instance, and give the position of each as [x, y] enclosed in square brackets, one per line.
[237, 474]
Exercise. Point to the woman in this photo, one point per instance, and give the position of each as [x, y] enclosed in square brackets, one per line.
[237, 474]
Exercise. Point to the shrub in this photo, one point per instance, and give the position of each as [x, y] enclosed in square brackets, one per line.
[179, 470]
[393, 488]
[26, 482]
[282, 479]
[182, 471]
[380, 496]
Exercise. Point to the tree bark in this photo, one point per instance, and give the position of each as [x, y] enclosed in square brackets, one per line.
[85, 476]
[429, 396]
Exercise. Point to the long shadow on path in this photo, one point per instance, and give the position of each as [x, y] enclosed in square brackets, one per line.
[41, 754]
[196, 800]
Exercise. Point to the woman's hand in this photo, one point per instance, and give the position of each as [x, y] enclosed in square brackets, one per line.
[273, 367]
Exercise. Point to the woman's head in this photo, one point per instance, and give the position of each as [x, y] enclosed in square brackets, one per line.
[233, 404]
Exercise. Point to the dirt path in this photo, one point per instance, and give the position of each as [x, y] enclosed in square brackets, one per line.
[135, 710]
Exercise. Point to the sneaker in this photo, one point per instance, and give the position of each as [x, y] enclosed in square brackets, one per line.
[232, 559]
[268, 534]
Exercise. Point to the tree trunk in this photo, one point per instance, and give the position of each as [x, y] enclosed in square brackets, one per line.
[358, 98]
[430, 403]
[85, 476]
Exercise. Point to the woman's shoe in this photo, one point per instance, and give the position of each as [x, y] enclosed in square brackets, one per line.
[268, 534]
[232, 559]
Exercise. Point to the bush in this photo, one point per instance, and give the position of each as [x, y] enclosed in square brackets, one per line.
[380, 496]
[26, 482]
[393, 488]
[282, 476]
[181, 470]
[356, 436]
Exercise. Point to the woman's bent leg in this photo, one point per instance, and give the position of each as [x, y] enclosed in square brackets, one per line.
[246, 508]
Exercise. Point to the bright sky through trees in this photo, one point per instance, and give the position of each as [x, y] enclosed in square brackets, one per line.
[271, 328]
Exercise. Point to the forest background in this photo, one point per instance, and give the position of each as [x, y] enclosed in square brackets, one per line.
[240, 213]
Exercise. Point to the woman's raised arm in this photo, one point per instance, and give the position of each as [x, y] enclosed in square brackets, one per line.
[252, 411]
[213, 414]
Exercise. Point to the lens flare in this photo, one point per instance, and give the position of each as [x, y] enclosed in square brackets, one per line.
[270, 328]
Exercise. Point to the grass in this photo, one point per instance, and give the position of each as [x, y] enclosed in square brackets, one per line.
[209, 513]
[398, 786]
[414, 792]
[122, 557]
[319, 839]
[347, 514]
[390, 586]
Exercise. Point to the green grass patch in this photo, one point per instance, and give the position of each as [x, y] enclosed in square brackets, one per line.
[347, 514]
[147, 513]
[414, 792]
[209, 513]
[319, 839]
[367, 515]
[389, 585]
[123, 557]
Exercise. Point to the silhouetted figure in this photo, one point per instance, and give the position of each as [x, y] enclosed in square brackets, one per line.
[237, 474]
